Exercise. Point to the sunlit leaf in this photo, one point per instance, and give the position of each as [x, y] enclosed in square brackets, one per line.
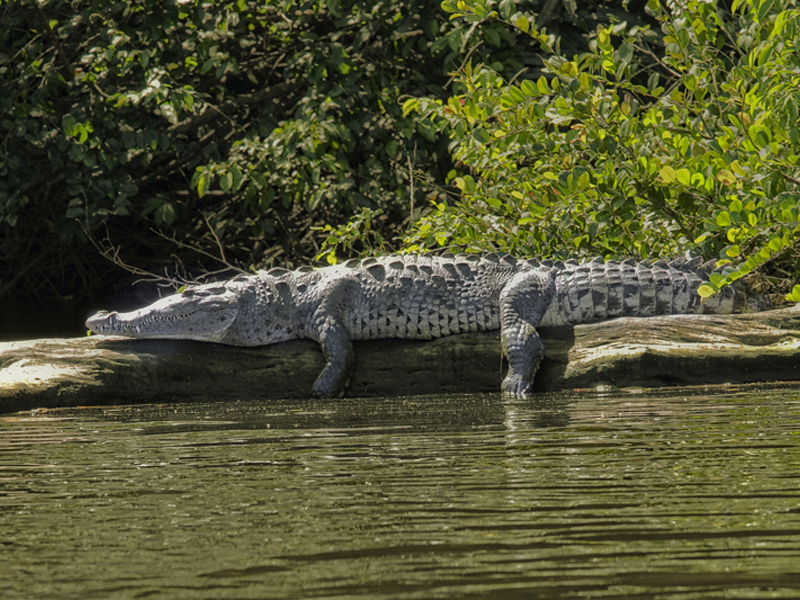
[726, 177]
[707, 290]
[723, 219]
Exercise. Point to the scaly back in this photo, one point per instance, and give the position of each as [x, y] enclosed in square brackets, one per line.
[418, 296]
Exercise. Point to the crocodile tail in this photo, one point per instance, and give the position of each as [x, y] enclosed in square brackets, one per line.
[597, 290]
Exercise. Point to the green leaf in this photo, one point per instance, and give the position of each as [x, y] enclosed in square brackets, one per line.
[726, 177]
[626, 52]
[764, 6]
[737, 169]
[492, 36]
[529, 89]
[237, 178]
[683, 38]
[410, 105]
[226, 181]
[684, 176]
[202, 185]
[707, 290]
[668, 174]
[165, 214]
[494, 203]
[776, 244]
[702, 237]
[481, 136]
[516, 93]
[70, 125]
[794, 295]
[541, 83]
[723, 219]
[208, 65]
[75, 209]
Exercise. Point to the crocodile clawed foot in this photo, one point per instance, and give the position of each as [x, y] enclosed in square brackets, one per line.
[515, 385]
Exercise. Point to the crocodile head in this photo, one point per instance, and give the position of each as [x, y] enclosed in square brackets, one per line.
[203, 312]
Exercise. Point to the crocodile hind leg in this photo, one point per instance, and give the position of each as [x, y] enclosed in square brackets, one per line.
[334, 338]
[523, 302]
[339, 358]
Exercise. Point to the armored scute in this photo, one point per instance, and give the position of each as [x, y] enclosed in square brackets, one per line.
[426, 297]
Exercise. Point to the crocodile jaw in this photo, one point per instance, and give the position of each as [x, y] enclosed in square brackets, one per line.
[192, 316]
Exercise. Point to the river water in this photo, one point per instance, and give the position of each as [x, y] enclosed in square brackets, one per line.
[588, 495]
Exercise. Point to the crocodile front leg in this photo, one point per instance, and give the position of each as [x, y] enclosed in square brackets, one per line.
[523, 302]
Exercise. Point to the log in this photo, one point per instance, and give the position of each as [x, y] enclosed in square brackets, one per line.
[675, 350]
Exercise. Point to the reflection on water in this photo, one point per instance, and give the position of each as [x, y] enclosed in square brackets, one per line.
[590, 496]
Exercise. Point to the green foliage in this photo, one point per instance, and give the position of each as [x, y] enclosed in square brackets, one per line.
[199, 124]
[651, 142]
[354, 237]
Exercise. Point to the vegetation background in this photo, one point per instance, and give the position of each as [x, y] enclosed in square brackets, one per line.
[190, 138]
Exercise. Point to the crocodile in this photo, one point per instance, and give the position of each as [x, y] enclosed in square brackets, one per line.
[426, 297]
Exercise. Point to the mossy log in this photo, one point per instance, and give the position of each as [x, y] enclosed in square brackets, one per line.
[631, 352]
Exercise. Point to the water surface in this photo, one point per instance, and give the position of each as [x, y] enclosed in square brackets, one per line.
[561, 496]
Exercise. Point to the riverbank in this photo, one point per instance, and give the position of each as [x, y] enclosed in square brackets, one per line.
[677, 350]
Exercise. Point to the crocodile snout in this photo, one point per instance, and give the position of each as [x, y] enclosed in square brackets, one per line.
[101, 322]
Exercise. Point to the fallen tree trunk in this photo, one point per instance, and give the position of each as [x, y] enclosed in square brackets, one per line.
[631, 352]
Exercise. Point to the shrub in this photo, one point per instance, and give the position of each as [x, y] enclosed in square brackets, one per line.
[202, 132]
[683, 140]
